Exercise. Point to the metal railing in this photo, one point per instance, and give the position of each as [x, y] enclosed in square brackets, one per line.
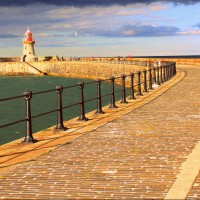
[118, 61]
[136, 82]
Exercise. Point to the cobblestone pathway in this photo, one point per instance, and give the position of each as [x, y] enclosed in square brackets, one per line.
[135, 156]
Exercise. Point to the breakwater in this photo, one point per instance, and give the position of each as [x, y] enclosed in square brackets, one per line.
[76, 69]
[90, 67]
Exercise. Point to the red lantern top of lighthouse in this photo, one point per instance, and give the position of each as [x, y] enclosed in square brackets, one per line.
[28, 35]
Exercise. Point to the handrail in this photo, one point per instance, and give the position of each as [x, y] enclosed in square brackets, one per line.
[116, 60]
[11, 98]
[146, 78]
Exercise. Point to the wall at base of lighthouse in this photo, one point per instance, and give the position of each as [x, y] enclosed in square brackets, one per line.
[32, 59]
[29, 58]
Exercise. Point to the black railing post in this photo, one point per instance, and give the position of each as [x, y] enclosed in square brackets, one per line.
[29, 137]
[158, 76]
[99, 103]
[112, 104]
[164, 73]
[168, 72]
[174, 68]
[123, 77]
[154, 75]
[161, 74]
[150, 80]
[139, 93]
[132, 96]
[145, 81]
[82, 103]
[60, 125]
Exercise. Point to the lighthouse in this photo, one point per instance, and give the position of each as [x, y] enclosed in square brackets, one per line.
[28, 47]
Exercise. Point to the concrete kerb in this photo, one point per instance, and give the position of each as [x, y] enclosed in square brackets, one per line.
[187, 176]
[16, 152]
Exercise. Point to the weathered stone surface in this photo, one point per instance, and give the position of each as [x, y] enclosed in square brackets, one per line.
[89, 70]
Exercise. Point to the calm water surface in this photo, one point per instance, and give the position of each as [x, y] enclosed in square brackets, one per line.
[14, 110]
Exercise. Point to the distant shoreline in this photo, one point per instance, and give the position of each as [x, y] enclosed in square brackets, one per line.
[175, 56]
[183, 56]
[14, 59]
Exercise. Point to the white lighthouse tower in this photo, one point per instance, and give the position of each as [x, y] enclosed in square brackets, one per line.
[28, 47]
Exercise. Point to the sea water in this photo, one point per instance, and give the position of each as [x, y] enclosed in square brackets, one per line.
[14, 110]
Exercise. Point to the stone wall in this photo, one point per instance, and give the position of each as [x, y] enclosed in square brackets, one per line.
[16, 68]
[69, 69]
[91, 69]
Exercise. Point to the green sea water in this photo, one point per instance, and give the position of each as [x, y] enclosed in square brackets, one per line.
[14, 110]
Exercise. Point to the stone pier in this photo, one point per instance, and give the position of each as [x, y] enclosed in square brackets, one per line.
[146, 149]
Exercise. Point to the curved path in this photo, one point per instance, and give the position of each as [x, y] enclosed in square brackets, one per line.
[150, 153]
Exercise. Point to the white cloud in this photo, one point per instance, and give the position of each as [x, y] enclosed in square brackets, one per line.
[46, 20]
[158, 7]
[190, 32]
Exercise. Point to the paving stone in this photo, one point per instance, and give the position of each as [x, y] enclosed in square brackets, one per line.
[135, 156]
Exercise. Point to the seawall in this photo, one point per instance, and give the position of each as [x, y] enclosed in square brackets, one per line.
[16, 68]
[90, 67]
[77, 69]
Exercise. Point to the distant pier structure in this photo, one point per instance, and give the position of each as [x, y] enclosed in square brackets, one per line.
[28, 47]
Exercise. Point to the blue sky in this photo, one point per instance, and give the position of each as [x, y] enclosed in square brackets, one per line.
[101, 28]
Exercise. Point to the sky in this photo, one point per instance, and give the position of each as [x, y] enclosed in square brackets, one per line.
[82, 28]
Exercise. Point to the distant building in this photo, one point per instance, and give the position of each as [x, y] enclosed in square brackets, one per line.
[28, 48]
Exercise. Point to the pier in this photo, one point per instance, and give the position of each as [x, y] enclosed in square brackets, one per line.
[147, 148]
